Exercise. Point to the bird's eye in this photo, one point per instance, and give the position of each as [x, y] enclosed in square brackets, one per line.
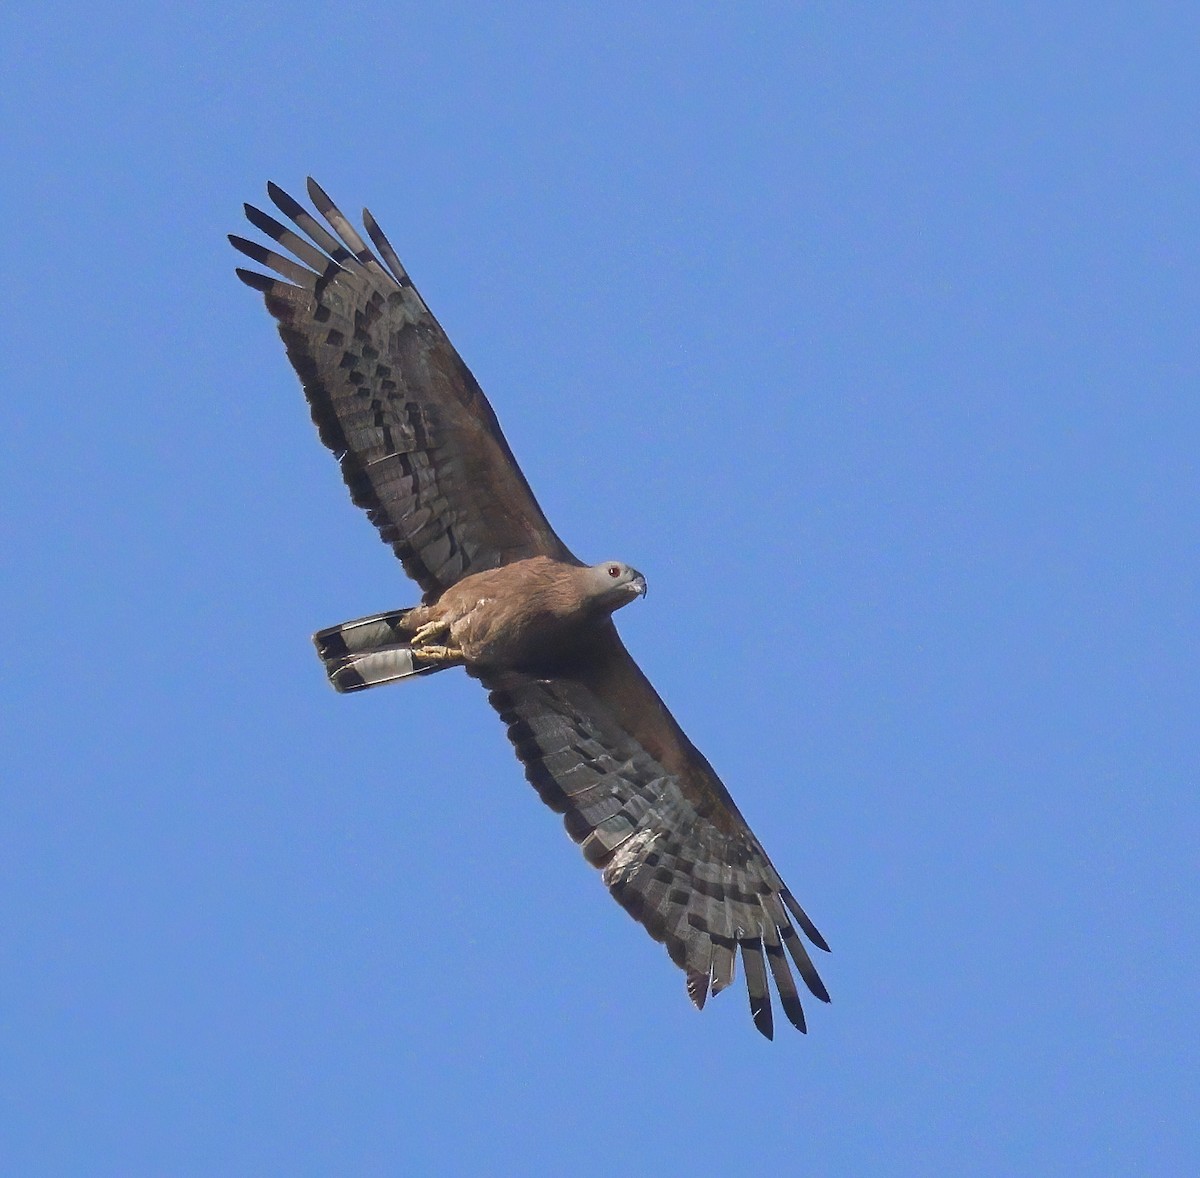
[614, 570]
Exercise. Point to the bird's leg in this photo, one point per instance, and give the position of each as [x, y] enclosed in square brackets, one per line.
[439, 654]
[428, 631]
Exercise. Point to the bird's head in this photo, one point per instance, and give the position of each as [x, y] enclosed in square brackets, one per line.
[613, 584]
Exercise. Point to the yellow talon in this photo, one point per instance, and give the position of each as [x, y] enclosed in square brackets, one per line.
[427, 631]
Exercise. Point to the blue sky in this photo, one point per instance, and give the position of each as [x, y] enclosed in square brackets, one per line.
[868, 332]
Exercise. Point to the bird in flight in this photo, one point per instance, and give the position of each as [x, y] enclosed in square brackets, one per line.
[503, 597]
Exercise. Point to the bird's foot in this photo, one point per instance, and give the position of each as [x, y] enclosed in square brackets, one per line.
[428, 631]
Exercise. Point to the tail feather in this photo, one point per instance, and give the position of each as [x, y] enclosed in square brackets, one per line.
[369, 652]
[362, 634]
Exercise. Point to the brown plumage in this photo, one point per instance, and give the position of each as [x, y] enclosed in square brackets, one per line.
[423, 453]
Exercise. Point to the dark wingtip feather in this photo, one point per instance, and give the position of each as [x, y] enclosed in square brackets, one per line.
[386, 252]
[348, 235]
[252, 278]
[282, 201]
[251, 249]
[802, 919]
[756, 986]
[792, 1006]
[804, 964]
[697, 988]
[785, 984]
[263, 221]
[794, 1012]
[318, 195]
[285, 266]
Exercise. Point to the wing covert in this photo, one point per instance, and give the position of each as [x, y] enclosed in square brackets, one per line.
[419, 445]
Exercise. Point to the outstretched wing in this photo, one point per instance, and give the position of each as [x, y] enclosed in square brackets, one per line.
[601, 748]
[419, 445]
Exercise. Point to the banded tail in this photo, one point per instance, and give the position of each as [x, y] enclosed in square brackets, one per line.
[369, 652]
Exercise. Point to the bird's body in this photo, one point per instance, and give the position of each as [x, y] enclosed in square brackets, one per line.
[421, 450]
[537, 614]
[529, 614]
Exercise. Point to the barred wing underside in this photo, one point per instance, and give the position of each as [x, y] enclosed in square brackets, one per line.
[419, 445]
[700, 883]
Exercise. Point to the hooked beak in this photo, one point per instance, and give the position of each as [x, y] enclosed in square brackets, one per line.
[638, 585]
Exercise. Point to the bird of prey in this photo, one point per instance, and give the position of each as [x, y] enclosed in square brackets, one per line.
[421, 450]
